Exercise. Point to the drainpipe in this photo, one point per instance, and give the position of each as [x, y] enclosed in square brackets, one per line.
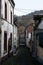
[13, 39]
[32, 45]
[13, 35]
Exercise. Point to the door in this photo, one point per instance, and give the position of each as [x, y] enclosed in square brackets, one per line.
[0, 41]
[5, 41]
[0, 44]
[0, 47]
[40, 45]
[37, 43]
[10, 43]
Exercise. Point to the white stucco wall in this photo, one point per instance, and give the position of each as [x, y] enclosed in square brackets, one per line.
[7, 26]
[9, 10]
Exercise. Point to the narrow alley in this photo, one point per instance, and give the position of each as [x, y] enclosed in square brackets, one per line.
[21, 34]
[22, 58]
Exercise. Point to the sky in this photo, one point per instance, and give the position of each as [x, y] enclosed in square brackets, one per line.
[23, 7]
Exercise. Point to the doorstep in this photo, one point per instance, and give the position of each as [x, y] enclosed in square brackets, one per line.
[6, 57]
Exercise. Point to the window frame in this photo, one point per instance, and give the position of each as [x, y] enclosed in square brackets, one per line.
[5, 10]
[5, 41]
[11, 17]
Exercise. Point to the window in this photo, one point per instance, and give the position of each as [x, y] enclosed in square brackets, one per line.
[40, 35]
[5, 40]
[10, 41]
[11, 38]
[41, 39]
[5, 11]
[11, 17]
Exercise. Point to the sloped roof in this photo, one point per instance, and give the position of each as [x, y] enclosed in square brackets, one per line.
[13, 2]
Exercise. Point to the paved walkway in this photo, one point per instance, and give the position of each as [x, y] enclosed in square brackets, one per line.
[23, 58]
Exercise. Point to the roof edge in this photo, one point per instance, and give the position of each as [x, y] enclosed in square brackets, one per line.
[13, 2]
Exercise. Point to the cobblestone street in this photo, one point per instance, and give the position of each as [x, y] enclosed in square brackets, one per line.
[23, 58]
[21, 32]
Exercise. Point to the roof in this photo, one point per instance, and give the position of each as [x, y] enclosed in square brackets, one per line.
[13, 2]
[37, 17]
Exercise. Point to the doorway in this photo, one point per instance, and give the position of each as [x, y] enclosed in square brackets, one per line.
[10, 43]
[0, 41]
[5, 41]
[39, 41]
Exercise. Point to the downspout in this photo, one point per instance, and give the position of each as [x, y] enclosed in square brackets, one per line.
[13, 33]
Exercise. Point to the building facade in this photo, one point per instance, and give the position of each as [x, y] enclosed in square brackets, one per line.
[37, 49]
[28, 35]
[6, 29]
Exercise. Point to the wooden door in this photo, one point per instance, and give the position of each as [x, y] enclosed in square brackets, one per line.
[0, 44]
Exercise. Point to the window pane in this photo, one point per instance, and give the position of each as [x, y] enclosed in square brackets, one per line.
[5, 40]
[11, 17]
[5, 11]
